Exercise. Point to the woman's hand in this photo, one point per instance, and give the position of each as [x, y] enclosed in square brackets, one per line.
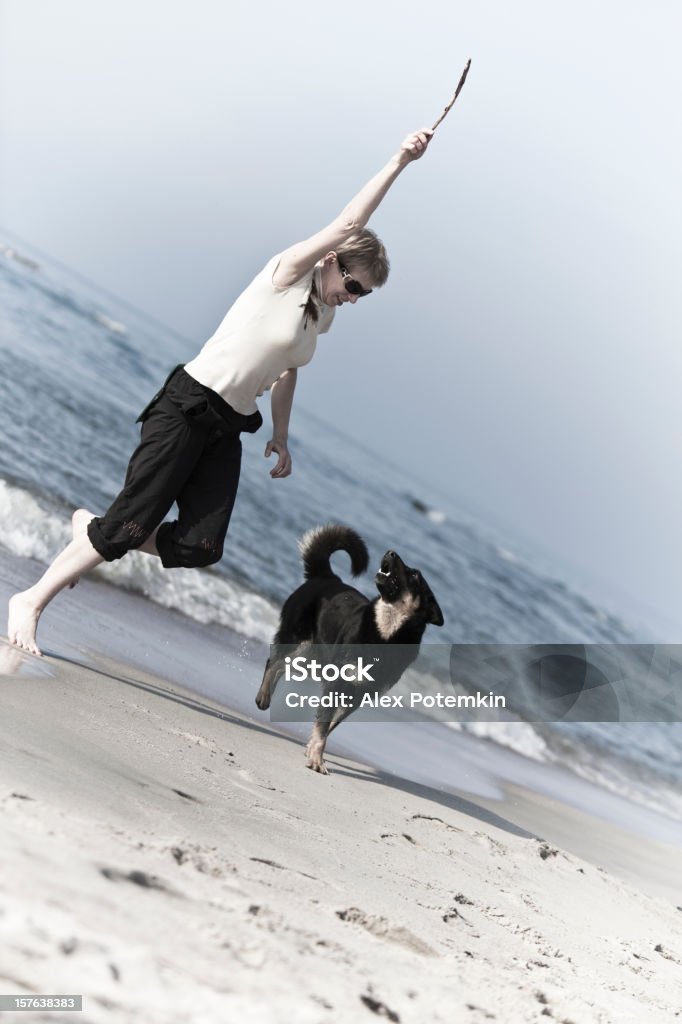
[281, 398]
[283, 467]
[415, 145]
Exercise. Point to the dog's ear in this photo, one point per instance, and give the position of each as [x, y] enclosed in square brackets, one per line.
[435, 615]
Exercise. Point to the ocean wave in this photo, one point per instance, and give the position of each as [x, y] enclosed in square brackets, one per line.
[520, 737]
[625, 778]
[614, 756]
[643, 788]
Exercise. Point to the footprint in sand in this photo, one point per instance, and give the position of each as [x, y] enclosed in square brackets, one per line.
[140, 878]
[383, 929]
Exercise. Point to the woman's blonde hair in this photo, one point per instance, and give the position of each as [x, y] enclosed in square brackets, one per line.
[364, 251]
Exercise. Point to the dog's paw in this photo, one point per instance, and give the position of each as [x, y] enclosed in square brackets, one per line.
[317, 765]
[263, 700]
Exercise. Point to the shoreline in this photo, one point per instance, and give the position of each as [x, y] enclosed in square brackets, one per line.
[97, 621]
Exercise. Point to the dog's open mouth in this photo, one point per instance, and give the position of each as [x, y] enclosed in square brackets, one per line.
[386, 579]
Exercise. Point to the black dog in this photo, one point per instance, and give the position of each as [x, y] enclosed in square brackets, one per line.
[325, 610]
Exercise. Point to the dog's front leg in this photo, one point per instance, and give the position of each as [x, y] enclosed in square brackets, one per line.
[339, 716]
[318, 738]
[314, 751]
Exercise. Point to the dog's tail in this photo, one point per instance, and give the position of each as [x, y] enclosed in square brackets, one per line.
[317, 546]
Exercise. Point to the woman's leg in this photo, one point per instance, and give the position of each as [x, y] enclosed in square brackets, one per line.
[26, 607]
[205, 505]
[79, 557]
[157, 471]
[79, 525]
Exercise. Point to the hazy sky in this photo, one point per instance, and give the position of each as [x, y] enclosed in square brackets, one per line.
[526, 353]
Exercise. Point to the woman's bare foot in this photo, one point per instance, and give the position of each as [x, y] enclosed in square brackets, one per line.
[79, 528]
[25, 608]
[23, 622]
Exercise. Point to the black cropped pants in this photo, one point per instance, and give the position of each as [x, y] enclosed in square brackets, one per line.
[189, 453]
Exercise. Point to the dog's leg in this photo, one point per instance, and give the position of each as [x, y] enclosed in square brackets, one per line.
[315, 748]
[318, 738]
[340, 715]
[273, 669]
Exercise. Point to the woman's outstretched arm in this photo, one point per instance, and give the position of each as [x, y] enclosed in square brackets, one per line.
[302, 256]
[281, 398]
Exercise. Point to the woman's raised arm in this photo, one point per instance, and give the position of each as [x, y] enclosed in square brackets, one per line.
[302, 256]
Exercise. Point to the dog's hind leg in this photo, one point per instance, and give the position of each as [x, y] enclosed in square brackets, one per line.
[274, 667]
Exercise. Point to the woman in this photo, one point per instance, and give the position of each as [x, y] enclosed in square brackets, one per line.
[189, 449]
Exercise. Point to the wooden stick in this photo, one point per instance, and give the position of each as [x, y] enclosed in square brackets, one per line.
[457, 92]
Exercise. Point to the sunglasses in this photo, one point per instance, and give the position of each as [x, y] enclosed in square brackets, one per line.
[352, 286]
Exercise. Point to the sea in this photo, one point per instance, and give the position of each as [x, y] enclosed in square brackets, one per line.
[80, 363]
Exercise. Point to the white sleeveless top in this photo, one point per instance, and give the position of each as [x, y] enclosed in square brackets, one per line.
[262, 335]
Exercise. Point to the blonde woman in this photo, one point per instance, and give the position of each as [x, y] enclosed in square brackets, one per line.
[190, 451]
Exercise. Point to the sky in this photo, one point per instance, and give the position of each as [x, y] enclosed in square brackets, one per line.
[524, 358]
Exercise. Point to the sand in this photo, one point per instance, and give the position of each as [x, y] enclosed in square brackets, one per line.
[172, 859]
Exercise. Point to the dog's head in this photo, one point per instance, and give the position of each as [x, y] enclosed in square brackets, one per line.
[399, 584]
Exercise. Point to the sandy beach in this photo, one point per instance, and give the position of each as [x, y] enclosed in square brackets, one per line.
[170, 858]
